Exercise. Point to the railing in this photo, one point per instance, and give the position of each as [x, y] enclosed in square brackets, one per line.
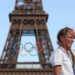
[25, 69]
[26, 65]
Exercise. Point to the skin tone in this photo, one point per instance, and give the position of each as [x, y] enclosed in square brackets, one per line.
[56, 70]
[73, 33]
[66, 43]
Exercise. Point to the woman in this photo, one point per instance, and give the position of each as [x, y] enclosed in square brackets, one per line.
[61, 59]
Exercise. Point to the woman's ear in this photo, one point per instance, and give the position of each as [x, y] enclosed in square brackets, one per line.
[62, 38]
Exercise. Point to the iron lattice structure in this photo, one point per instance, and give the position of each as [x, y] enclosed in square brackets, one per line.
[27, 19]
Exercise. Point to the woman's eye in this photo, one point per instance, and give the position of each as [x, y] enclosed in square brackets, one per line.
[71, 37]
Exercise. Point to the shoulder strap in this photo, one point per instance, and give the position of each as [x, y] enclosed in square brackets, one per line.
[73, 57]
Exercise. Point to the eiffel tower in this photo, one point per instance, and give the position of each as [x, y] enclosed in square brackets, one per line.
[27, 19]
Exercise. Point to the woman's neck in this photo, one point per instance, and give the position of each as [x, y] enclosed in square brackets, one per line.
[65, 48]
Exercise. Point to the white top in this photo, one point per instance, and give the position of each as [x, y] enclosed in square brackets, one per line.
[60, 57]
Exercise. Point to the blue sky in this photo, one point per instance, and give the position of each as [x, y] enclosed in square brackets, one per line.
[61, 14]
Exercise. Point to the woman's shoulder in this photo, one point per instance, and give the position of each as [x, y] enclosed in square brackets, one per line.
[58, 50]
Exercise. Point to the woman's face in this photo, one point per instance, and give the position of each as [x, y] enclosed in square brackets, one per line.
[68, 40]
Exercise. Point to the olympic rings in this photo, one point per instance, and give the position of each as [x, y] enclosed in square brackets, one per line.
[26, 49]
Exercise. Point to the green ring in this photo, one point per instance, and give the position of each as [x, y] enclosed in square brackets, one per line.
[30, 51]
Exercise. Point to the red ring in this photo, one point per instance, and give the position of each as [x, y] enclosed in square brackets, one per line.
[41, 48]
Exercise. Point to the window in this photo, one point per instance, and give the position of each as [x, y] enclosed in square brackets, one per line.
[20, 3]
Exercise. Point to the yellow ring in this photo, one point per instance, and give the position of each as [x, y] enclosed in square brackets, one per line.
[23, 54]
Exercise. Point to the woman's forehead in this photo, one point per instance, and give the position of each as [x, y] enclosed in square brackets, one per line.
[69, 33]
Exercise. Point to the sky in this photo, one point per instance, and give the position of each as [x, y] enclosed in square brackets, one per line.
[61, 14]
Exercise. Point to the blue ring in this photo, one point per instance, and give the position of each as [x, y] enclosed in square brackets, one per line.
[14, 47]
